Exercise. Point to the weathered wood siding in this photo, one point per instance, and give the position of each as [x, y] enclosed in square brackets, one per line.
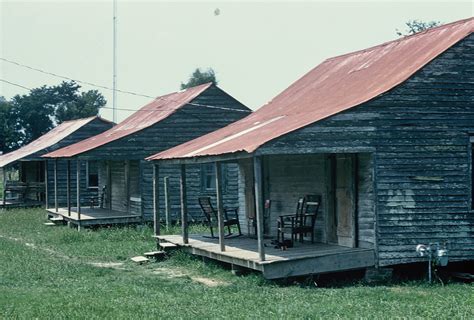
[93, 128]
[185, 124]
[419, 135]
[118, 190]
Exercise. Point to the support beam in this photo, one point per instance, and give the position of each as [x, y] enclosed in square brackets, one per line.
[257, 173]
[109, 186]
[68, 187]
[4, 174]
[184, 206]
[166, 190]
[156, 199]
[78, 191]
[56, 185]
[46, 184]
[127, 184]
[220, 205]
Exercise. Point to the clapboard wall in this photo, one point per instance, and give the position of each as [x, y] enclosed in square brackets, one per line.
[90, 129]
[187, 123]
[418, 134]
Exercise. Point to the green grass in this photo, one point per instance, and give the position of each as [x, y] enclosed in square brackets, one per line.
[52, 273]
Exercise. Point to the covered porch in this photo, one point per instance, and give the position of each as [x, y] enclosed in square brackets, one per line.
[95, 192]
[23, 184]
[270, 186]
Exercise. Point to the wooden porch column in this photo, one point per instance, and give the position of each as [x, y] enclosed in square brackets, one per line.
[4, 175]
[184, 206]
[46, 187]
[156, 199]
[257, 176]
[68, 187]
[166, 190]
[78, 190]
[220, 206]
[56, 184]
[127, 184]
[109, 186]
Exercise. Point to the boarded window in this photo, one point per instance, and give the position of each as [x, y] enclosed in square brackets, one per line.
[92, 174]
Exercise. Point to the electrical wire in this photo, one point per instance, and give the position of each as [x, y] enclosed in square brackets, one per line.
[108, 88]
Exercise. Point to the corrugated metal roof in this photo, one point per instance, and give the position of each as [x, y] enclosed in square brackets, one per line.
[154, 112]
[337, 84]
[45, 141]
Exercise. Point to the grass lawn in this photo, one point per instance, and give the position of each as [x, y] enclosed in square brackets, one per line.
[57, 273]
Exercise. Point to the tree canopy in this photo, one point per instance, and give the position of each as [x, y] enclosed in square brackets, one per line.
[415, 26]
[200, 77]
[26, 117]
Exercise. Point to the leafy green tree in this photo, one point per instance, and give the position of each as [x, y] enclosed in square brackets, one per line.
[35, 113]
[6, 131]
[200, 77]
[415, 26]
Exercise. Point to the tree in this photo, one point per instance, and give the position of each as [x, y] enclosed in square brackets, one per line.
[200, 77]
[6, 131]
[415, 26]
[35, 113]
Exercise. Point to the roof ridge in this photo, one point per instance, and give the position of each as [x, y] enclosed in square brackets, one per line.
[418, 34]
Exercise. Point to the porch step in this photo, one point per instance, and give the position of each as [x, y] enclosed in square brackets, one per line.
[167, 246]
[56, 219]
[50, 224]
[155, 254]
[140, 259]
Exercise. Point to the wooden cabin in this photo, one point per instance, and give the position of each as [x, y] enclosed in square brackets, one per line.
[24, 171]
[125, 180]
[384, 136]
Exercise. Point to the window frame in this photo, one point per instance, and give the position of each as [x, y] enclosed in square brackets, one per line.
[87, 175]
[204, 173]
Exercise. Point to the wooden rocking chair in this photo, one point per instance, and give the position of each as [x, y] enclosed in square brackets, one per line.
[302, 222]
[212, 220]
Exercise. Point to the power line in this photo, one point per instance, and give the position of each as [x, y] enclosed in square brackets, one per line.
[15, 84]
[117, 90]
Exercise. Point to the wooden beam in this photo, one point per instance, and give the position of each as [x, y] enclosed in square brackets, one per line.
[56, 184]
[127, 184]
[46, 182]
[4, 174]
[156, 199]
[68, 187]
[257, 172]
[220, 205]
[109, 186]
[78, 190]
[184, 206]
[166, 188]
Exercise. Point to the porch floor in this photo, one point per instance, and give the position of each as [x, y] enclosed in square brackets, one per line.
[302, 259]
[95, 216]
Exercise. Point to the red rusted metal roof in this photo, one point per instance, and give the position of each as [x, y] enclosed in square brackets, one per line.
[150, 114]
[45, 141]
[337, 84]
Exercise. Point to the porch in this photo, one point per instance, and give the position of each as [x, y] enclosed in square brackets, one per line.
[87, 217]
[302, 259]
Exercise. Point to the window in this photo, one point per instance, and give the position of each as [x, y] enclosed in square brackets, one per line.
[92, 174]
[208, 177]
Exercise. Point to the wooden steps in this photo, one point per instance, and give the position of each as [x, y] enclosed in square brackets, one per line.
[140, 259]
[155, 254]
[50, 224]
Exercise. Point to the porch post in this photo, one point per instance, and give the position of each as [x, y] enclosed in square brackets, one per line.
[127, 184]
[56, 184]
[156, 199]
[167, 201]
[257, 173]
[46, 188]
[220, 206]
[78, 191]
[4, 174]
[184, 206]
[68, 187]
[109, 186]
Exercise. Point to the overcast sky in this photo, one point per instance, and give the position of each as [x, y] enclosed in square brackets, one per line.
[257, 48]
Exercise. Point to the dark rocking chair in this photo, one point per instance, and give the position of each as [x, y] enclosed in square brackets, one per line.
[302, 222]
[212, 220]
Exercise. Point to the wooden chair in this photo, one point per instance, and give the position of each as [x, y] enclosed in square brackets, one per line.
[211, 216]
[302, 222]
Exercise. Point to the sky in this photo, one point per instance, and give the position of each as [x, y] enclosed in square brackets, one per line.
[256, 48]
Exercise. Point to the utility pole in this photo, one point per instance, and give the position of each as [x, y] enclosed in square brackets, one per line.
[114, 97]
